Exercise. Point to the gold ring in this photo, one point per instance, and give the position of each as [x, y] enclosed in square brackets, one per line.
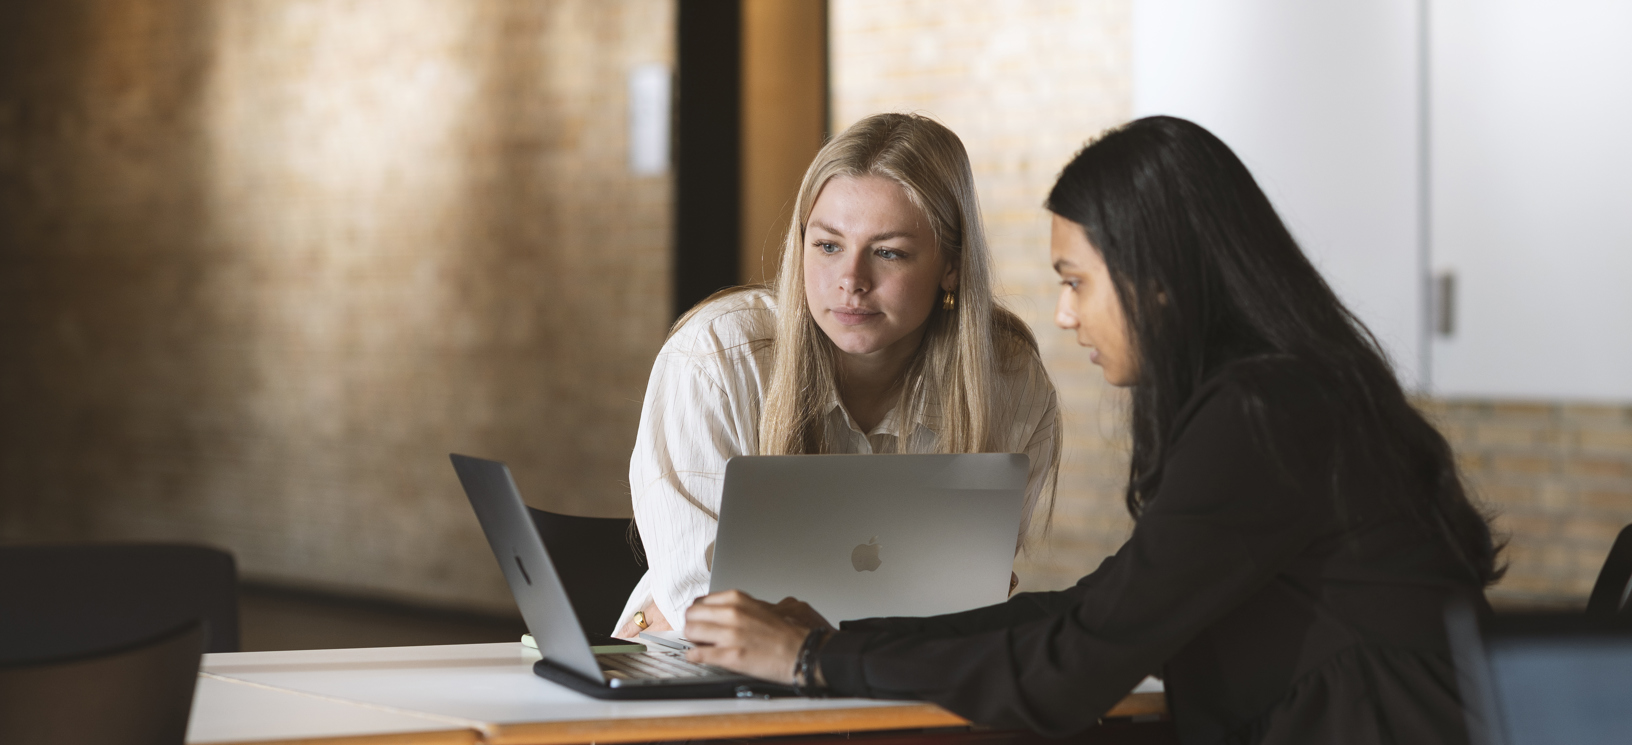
[640, 619]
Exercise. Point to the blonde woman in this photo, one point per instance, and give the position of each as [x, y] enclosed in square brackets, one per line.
[880, 335]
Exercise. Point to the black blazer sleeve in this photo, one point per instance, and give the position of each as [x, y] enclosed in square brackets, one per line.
[1026, 606]
[1242, 494]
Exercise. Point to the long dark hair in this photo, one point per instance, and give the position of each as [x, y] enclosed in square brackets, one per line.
[1207, 273]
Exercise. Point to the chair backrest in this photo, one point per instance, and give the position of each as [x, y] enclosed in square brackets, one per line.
[1543, 678]
[140, 694]
[599, 560]
[63, 600]
[1609, 594]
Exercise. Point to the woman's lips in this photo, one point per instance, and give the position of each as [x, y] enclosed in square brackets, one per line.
[854, 316]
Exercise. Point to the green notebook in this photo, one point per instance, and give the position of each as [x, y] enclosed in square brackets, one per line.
[598, 643]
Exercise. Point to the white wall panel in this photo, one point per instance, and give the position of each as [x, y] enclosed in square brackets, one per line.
[1321, 102]
[1531, 156]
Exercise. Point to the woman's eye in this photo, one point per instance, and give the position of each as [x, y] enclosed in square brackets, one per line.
[1071, 283]
[828, 248]
[885, 253]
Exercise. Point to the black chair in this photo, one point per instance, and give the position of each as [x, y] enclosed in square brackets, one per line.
[1535, 678]
[1609, 594]
[599, 560]
[139, 694]
[64, 600]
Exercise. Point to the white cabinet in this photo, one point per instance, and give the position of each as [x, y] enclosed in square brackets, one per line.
[1320, 100]
[1514, 179]
[1531, 157]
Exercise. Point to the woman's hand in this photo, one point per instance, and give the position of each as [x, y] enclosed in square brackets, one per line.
[799, 613]
[655, 621]
[735, 631]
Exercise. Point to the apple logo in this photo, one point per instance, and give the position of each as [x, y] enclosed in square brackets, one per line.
[865, 557]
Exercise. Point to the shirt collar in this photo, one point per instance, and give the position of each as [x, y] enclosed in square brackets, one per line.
[927, 416]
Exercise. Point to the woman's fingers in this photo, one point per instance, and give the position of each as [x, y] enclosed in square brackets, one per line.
[705, 634]
[729, 598]
[730, 658]
[655, 621]
[714, 614]
[716, 619]
[799, 613]
[769, 656]
[721, 598]
[738, 632]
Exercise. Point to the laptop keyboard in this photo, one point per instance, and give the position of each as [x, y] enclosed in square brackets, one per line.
[654, 666]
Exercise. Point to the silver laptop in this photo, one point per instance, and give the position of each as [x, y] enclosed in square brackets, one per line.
[859, 536]
[567, 658]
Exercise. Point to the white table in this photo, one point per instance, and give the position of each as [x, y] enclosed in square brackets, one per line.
[229, 711]
[488, 693]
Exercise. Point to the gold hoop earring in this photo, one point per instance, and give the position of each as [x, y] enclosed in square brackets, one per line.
[949, 301]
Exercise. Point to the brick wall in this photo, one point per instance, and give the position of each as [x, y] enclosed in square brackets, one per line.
[1025, 83]
[1559, 479]
[265, 263]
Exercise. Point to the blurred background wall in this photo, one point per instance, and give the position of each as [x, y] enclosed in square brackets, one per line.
[263, 264]
[266, 263]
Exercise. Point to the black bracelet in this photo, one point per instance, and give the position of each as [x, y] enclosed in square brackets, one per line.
[804, 667]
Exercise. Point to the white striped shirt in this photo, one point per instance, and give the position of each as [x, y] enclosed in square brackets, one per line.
[702, 407]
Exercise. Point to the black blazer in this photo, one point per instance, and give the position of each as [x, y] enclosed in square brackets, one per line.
[1279, 602]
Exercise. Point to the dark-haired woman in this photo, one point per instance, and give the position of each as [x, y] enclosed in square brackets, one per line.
[1299, 524]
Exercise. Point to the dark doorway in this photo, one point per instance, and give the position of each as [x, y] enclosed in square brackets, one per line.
[708, 181]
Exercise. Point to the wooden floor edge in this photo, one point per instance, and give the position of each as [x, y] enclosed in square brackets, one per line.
[442, 737]
[741, 724]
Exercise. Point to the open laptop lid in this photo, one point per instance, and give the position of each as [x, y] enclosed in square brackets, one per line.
[858, 536]
[526, 565]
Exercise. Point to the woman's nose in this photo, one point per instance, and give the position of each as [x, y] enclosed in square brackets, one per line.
[1064, 316]
[853, 275]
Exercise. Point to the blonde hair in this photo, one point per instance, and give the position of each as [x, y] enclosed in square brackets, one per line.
[958, 362]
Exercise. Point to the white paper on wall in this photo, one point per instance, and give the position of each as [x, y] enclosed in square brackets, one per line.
[649, 119]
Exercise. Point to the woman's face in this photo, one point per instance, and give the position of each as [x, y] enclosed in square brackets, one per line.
[872, 270]
[1088, 303]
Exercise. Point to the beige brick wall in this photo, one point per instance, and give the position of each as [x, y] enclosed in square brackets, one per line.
[266, 263]
[1558, 477]
[1025, 83]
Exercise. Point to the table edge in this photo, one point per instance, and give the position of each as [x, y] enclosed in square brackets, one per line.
[427, 737]
[735, 724]
[1139, 705]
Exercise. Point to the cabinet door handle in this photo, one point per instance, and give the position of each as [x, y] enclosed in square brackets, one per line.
[1445, 303]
